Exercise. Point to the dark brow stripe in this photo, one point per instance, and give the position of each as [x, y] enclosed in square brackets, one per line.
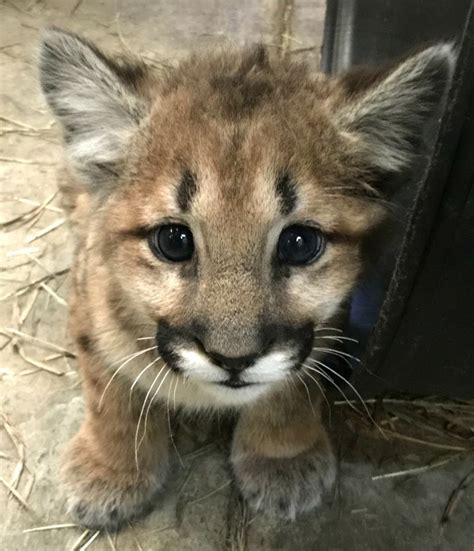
[186, 190]
[285, 188]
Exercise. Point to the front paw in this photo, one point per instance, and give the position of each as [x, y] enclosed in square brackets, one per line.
[285, 487]
[101, 497]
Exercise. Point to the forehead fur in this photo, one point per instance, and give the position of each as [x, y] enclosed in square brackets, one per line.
[213, 103]
[232, 123]
[232, 115]
[235, 85]
[250, 103]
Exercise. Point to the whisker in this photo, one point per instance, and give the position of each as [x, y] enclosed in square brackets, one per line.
[336, 386]
[346, 360]
[168, 413]
[145, 338]
[169, 420]
[308, 394]
[337, 353]
[137, 352]
[116, 372]
[321, 390]
[329, 329]
[141, 414]
[137, 378]
[339, 338]
[150, 403]
[174, 393]
[356, 392]
[331, 380]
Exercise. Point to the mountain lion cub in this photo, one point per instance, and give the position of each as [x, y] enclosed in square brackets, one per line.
[221, 209]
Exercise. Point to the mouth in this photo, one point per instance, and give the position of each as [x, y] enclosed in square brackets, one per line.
[235, 384]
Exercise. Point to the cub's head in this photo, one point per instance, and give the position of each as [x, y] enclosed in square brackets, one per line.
[234, 194]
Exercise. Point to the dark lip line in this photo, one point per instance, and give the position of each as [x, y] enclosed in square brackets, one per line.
[236, 385]
[297, 366]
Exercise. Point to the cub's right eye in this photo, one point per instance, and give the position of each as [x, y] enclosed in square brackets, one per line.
[172, 242]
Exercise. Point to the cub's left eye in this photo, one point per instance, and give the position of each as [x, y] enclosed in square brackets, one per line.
[172, 242]
[299, 245]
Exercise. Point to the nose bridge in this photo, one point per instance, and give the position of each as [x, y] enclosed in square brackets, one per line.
[232, 294]
[232, 303]
[233, 267]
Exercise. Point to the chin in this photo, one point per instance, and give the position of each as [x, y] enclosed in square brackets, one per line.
[232, 397]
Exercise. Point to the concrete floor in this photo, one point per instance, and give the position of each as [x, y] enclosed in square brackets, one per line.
[41, 409]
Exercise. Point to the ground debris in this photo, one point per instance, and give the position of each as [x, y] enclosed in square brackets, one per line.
[454, 500]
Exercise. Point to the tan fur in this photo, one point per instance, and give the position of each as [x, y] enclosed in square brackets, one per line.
[235, 120]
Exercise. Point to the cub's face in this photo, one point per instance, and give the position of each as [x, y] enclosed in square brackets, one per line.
[234, 243]
[235, 197]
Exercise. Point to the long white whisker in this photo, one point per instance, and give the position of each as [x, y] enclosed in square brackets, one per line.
[169, 420]
[354, 390]
[150, 403]
[137, 378]
[336, 386]
[321, 390]
[336, 353]
[329, 329]
[145, 338]
[136, 353]
[174, 393]
[346, 360]
[141, 414]
[116, 372]
[308, 394]
[338, 338]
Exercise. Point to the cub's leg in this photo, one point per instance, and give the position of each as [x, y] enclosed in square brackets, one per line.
[281, 455]
[104, 486]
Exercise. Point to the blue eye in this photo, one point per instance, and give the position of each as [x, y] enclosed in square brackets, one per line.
[299, 245]
[172, 242]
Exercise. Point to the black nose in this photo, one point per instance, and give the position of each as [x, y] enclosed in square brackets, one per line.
[232, 364]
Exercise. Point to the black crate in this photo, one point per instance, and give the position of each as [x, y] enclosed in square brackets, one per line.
[420, 338]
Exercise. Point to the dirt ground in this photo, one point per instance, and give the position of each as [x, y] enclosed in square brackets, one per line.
[376, 504]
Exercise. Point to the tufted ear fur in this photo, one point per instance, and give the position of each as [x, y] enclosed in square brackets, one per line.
[98, 101]
[385, 115]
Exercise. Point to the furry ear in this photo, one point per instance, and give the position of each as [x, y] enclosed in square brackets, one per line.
[97, 100]
[385, 115]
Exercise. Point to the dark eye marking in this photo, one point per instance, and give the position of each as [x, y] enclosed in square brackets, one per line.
[286, 191]
[186, 190]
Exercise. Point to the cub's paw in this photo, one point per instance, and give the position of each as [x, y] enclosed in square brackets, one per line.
[285, 487]
[100, 497]
[100, 504]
